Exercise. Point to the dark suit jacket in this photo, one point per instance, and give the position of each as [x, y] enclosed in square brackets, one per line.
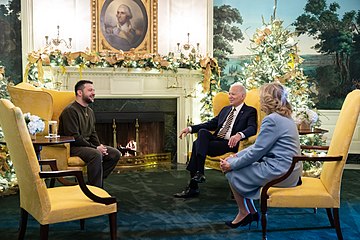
[245, 122]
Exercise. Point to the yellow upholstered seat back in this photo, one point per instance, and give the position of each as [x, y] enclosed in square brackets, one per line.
[220, 100]
[60, 100]
[340, 142]
[253, 99]
[45, 103]
[48, 105]
[34, 196]
[31, 99]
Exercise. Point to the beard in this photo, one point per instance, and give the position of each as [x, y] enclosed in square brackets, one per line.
[87, 99]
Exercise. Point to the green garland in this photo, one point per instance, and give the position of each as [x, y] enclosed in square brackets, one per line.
[8, 181]
[211, 83]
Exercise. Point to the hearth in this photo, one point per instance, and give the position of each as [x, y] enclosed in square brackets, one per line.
[118, 120]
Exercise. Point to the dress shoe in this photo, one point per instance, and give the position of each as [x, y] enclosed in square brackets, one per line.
[255, 217]
[246, 221]
[188, 193]
[199, 177]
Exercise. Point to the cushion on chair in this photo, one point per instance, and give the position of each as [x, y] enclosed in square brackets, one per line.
[310, 194]
[75, 161]
[70, 203]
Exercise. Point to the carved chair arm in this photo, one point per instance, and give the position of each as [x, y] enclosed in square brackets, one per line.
[80, 179]
[294, 161]
[53, 166]
[308, 147]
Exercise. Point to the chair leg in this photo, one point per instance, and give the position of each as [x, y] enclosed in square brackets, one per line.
[263, 207]
[44, 232]
[330, 217]
[82, 224]
[337, 223]
[263, 224]
[23, 223]
[113, 227]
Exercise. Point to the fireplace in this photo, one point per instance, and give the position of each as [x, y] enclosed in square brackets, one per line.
[162, 101]
[155, 120]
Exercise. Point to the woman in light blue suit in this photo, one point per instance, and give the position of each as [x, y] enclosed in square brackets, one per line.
[268, 158]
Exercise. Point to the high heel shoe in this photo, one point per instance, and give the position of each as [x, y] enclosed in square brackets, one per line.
[247, 220]
[255, 217]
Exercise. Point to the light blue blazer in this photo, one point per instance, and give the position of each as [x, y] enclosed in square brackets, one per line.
[268, 158]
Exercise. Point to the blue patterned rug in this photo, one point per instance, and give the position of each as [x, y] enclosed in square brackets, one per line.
[147, 210]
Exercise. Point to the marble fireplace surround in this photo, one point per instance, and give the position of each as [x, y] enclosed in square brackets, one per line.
[113, 83]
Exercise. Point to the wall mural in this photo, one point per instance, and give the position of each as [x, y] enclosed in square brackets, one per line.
[10, 39]
[328, 41]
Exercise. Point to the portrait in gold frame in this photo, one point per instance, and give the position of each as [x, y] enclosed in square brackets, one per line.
[124, 25]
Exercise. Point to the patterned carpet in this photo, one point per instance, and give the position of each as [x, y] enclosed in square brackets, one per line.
[147, 210]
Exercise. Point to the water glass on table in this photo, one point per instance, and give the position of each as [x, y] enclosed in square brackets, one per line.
[52, 128]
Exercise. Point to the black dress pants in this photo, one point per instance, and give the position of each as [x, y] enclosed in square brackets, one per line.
[206, 144]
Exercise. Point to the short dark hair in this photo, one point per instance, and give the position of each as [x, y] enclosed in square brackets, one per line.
[80, 85]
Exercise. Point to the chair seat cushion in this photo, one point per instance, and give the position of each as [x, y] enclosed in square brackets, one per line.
[70, 203]
[214, 162]
[311, 194]
[75, 161]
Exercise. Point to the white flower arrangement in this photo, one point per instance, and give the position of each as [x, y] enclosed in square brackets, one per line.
[34, 123]
[306, 115]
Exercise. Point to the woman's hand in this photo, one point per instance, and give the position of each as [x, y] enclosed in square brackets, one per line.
[225, 165]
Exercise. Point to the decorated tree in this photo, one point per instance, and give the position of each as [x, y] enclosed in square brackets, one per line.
[275, 58]
[8, 181]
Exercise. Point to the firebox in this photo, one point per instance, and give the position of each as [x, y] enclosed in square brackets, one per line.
[150, 122]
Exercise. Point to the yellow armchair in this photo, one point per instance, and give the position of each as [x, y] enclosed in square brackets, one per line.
[221, 100]
[47, 104]
[323, 192]
[49, 205]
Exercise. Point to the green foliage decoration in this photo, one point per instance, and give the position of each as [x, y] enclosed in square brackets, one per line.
[8, 181]
[275, 58]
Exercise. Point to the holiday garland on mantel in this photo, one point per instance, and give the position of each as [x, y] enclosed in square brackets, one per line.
[34, 72]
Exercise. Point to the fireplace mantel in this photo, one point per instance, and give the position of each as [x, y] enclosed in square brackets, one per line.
[140, 83]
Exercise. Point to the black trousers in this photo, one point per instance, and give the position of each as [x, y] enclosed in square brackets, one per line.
[206, 144]
[98, 166]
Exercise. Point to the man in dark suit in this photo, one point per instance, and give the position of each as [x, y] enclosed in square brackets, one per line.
[234, 123]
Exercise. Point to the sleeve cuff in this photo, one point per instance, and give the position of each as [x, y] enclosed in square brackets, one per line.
[242, 135]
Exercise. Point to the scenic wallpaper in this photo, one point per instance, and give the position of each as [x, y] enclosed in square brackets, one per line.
[326, 34]
[323, 36]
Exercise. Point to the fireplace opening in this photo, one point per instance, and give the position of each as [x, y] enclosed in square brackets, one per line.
[151, 123]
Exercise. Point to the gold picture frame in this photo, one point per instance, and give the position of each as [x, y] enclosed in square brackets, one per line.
[124, 25]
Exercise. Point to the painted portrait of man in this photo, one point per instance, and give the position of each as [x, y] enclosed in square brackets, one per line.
[124, 23]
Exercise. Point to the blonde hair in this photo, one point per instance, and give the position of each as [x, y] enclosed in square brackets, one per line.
[273, 98]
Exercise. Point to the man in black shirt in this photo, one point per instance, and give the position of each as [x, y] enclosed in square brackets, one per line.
[78, 120]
